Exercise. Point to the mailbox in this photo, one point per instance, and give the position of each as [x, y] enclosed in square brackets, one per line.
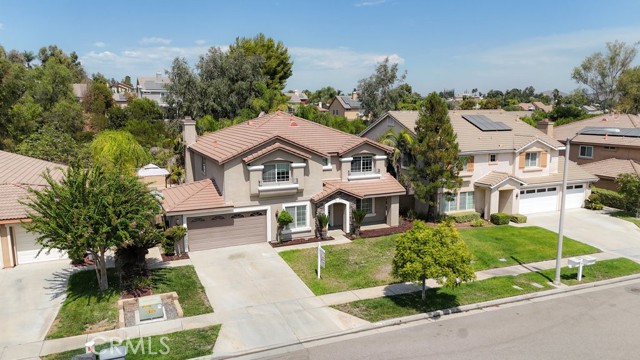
[574, 262]
[113, 353]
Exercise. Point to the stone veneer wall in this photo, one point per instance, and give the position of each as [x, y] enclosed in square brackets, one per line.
[346, 197]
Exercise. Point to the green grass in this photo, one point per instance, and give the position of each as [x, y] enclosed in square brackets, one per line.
[185, 344]
[517, 245]
[367, 262]
[479, 291]
[360, 264]
[627, 215]
[87, 310]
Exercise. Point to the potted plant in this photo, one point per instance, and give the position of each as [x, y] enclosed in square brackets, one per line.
[283, 219]
[323, 221]
[358, 218]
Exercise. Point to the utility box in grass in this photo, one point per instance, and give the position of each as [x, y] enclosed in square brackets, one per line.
[150, 308]
[113, 353]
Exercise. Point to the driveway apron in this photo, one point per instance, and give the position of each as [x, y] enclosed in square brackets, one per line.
[261, 301]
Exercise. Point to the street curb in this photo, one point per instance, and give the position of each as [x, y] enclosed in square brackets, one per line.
[430, 315]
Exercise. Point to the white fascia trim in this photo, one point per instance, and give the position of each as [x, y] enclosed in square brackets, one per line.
[501, 151]
[347, 159]
[278, 187]
[364, 177]
[328, 167]
[380, 157]
[256, 168]
[298, 165]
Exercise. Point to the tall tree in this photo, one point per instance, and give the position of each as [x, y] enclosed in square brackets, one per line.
[95, 211]
[629, 86]
[277, 63]
[432, 253]
[600, 72]
[629, 187]
[381, 91]
[324, 95]
[436, 152]
[402, 143]
[118, 150]
[49, 144]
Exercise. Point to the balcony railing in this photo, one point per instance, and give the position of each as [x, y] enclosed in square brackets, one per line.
[372, 172]
[262, 183]
[362, 175]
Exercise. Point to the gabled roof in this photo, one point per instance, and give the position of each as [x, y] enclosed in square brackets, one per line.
[613, 121]
[576, 174]
[200, 195]
[387, 186]
[157, 83]
[226, 144]
[271, 148]
[612, 168]
[348, 103]
[496, 178]
[297, 97]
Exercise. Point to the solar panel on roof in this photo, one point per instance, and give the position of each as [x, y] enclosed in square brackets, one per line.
[485, 124]
[625, 132]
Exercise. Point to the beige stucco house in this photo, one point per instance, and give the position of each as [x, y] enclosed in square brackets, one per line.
[347, 106]
[239, 178]
[510, 166]
[19, 174]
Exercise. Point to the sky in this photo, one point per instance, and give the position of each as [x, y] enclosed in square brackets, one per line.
[461, 45]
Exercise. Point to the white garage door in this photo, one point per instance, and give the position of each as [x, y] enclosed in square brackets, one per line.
[27, 248]
[575, 196]
[216, 231]
[538, 200]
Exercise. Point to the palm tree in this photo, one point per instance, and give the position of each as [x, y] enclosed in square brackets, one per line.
[402, 143]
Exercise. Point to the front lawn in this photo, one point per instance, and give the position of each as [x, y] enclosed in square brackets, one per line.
[87, 310]
[185, 344]
[367, 262]
[501, 246]
[630, 216]
[478, 291]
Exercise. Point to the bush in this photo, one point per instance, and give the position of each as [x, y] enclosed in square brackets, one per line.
[477, 223]
[464, 217]
[171, 236]
[500, 218]
[518, 219]
[607, 198]
[592, 204]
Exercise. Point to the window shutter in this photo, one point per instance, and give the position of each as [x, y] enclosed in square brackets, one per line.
[543, 159]
[521, 160]
[470, 164]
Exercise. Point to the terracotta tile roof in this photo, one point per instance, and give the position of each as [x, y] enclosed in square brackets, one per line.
[496, 178]
[276, 146]
[612, 168]
[620, 121]
[10, 206]
[386, 186]
[226, 144]
[199, 195]
[576, 174]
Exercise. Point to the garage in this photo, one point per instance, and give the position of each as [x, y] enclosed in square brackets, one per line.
[27, 249]
[217, 231]
[538, 200]
[575, 196]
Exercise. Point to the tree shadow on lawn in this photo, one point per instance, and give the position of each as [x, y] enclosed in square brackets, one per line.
[436, 299]
[84, 285]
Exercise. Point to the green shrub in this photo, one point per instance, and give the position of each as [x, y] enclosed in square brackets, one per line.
[171, 236]
[518, 218]
[593, 204]
[464, 217]
[607, 198]
[500, 218]
[477, 223]
[323, 220]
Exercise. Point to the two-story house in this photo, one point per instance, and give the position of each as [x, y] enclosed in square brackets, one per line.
[239, 178]
[347, 106]
[509, 166]
[607, 145]
[152, 87]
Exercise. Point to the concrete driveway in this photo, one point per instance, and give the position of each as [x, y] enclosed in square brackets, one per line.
[30, 298]
[596, 229]
[261, 301]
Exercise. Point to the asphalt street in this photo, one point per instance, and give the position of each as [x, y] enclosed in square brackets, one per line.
[600, 323]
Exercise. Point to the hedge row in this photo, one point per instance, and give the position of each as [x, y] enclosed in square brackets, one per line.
[607, 198]
[464, 217]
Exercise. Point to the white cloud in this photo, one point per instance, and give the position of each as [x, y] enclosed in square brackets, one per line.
[370, 3]
[99, 44]
[200, 42]
[1, 26]
[339, 58]
[155, 41]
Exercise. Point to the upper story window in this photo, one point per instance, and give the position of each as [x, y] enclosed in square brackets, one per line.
[275, 173]
[610, 148]
[203, 164]
[467, 164]
[493, 158]
[586, 151]
[531, 159]
[362, 164]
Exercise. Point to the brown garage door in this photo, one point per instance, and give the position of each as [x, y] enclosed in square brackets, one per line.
[216, 231]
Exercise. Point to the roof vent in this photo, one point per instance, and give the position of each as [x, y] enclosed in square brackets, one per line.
[262, 113]
[249, 123]
[604, 119]
[293, 123]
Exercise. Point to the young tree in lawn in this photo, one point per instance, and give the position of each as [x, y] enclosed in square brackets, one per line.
[629, 187]
[432, 253]
[436, 154]
[94, 210]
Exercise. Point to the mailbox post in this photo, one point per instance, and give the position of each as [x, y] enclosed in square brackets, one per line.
[579, 262]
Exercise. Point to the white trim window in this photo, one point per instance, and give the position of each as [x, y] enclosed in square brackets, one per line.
[466, 201]
[276, 173]
[326, 163]
[367, 205]
[531, 159]
[449, 203]
[300, 214]
[586, 152]
[493, 158]
[362, 164]
[203, 164]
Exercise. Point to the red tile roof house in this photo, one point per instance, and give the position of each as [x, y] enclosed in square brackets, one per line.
[238, 178]
[20, 173]
[512, 167]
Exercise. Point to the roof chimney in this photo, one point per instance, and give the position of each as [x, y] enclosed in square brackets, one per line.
[189, 134]
[546, 127]
[354, 94]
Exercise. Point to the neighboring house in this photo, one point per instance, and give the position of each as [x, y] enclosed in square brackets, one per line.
[121, 93]
[509, 167]
[153, 175]
[609, 170]
[79, 91]
[19, 174]
[152, 87]
[239, 178]
[297, 98]
[592, 110]
[536, 105]
[347, 106]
